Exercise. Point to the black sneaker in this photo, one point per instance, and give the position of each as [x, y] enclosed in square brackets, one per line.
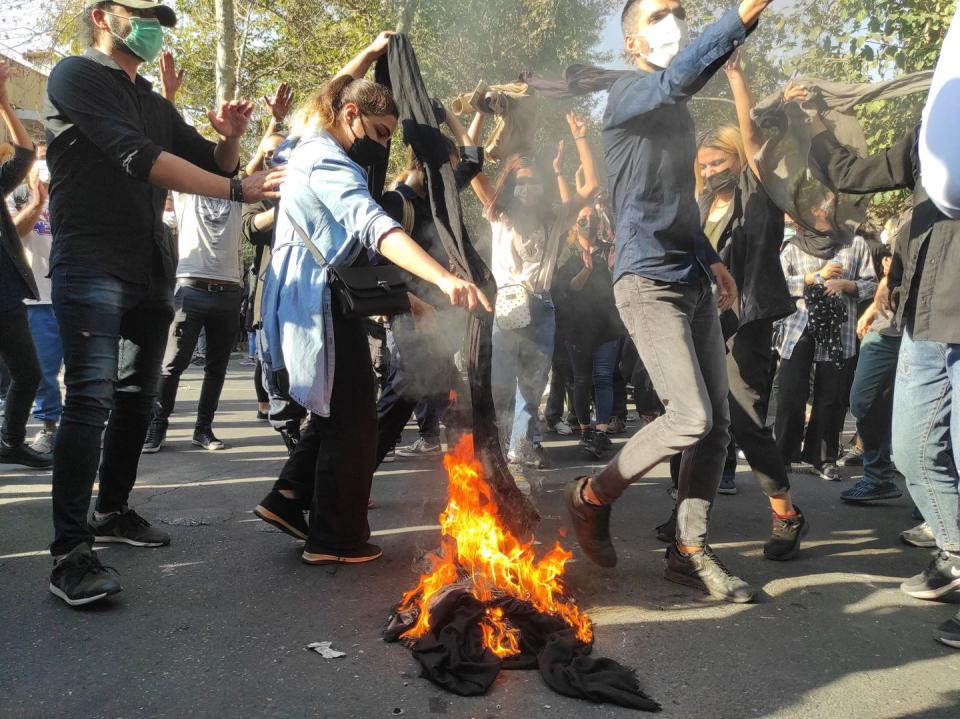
[283, 513]
[667, 532]
[319, 555]
[25, 456]
[589, 444]
[706, 572]
[728, 485]
[919, 536]
[78, 578]
[784, 542]
[127, 527]
[291, 438]
[868, 491]
[156, 436]
[949, 632]
[603, 440]
[829, 472]
[591, 524]
[263, 416]
[941, 577]
[204, 437]
[852, 458]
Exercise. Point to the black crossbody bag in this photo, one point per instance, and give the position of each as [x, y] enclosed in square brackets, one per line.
[362, 290]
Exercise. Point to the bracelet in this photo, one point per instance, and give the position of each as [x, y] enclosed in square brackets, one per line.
[236, 190]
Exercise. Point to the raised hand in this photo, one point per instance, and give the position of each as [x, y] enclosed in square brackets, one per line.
[750, 10]
[281, 102]
[232, 119]
[558, 160]
[4, 76]
[578, 128]
[378, 47]
[170, 78]
[795, 93]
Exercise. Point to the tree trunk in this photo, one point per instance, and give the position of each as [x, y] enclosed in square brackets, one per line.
[226, 67]
[408, 8]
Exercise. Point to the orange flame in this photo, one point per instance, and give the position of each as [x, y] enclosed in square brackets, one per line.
[475, 543]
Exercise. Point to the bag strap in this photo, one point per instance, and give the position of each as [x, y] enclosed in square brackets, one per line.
[301, 233]
[408, 215]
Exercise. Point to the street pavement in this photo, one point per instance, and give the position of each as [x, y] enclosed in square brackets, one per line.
[216, 624]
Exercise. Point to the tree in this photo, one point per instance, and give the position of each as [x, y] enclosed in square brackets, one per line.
[226, 66]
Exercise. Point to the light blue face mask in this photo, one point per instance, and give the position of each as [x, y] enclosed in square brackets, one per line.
[789, 233]
[145, 39]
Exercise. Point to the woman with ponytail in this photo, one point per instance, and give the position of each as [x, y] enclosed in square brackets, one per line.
[335, 170]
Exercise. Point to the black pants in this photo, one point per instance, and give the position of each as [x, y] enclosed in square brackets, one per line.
[219, 314]
[821, 438]
[263, 397]
[561, 382]
[113, 336]
[20, 355]
[332, 468]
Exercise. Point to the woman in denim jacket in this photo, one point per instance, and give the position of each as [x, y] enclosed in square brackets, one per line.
[344, 136]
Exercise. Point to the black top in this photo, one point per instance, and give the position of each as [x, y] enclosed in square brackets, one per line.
[750, 248]
[425, 232]
[103, 135]
[587, 316]
[926, 265]
[16, 279]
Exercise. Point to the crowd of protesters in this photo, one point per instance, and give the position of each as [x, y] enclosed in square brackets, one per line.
[686, 280]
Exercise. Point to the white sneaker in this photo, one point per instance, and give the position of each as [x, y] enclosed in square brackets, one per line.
[43, 442]
[561, 428]
[421, 448]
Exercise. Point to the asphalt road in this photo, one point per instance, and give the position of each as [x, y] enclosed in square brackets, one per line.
[216, 624]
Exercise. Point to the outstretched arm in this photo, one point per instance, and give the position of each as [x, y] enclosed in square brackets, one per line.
[360, 64]
[743, 99]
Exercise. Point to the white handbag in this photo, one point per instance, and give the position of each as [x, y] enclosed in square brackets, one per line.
[512, 308]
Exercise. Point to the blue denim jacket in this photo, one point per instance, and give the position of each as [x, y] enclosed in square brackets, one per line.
[649, 148]
[326, 194]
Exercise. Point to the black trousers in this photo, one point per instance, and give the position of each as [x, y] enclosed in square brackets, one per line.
[820, 439]
[219, 314]
[332, 468]
[20, 356]
[561, 382]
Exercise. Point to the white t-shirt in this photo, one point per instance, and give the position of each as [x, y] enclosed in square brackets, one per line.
[36, 245]
[208, 237]
[528, 256]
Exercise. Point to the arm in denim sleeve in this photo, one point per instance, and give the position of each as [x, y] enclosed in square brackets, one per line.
[82, 91]
[342, 187]
[793, 274]
[705, 250]
[890, 169]
[470, 165]
[866, 277]
[687, 74]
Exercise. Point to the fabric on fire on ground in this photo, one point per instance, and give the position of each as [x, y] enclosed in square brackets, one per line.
[452, 655]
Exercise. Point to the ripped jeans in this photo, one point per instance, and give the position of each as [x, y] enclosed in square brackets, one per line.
[114, 334]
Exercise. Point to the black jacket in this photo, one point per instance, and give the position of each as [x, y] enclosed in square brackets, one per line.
[12, 173]
[928, 263]
[750, 248]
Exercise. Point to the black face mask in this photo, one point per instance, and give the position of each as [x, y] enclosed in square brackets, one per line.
[722, 183]
[588, 226]
[373, 158]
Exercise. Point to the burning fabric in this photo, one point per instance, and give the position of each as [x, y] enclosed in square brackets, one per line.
[488, 604]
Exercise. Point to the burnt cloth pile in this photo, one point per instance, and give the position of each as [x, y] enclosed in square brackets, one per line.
[452, 655]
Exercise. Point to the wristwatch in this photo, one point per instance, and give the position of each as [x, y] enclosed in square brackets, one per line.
[818, 278]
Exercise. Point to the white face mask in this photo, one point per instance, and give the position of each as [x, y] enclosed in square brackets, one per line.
[170, 219]
[667, 39]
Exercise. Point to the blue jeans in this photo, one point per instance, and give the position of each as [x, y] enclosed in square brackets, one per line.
[871, 403]
[46, 338]
[521, 365]
[924, 428]
[114, 334]
[596, 362]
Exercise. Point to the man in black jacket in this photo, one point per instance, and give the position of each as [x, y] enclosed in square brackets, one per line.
[16, 284]
[928, 375]
[114, 149]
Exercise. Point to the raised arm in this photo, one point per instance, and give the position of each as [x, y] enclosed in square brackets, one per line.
[13, 172]
[562, 187]
[360, 64]
[26, 219]
[591, 184]
[743, 99]
[279, 108]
